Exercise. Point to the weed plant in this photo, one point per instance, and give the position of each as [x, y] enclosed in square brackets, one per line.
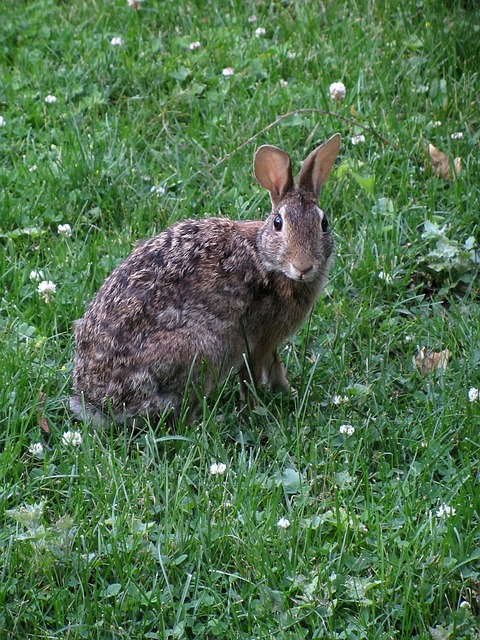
[349, 511]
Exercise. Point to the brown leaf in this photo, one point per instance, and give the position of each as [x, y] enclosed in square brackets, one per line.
[426, 362]
[41, 420]
[441, 165]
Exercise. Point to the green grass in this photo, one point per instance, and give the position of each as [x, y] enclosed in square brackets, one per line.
[132, 536]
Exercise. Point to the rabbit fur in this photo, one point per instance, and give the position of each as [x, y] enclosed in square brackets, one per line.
[205, 297]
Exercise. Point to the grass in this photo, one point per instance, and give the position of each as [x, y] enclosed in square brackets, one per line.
[129, 535]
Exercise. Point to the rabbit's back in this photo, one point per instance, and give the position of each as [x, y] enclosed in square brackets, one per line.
[188, 271]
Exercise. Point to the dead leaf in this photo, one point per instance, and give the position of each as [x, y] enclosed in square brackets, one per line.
[431, 361]
[441, 165]
[41, 420]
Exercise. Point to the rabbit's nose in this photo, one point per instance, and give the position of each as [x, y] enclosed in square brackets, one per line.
[302, 270]
[305, 270]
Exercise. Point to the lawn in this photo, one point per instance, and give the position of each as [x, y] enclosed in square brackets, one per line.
[351, 510]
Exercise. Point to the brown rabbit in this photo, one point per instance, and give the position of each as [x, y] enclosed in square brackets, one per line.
[204, 297]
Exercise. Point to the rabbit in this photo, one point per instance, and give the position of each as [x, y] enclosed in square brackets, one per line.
[204, 297]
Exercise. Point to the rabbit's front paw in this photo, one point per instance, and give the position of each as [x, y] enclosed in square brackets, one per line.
[274, 375]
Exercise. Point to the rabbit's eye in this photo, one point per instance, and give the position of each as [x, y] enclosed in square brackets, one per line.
[324, 223]
[278, 222]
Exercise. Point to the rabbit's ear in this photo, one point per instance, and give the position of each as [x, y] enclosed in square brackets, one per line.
[317, 166]
[273, 170]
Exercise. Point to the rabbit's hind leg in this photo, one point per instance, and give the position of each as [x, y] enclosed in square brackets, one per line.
[86, 412]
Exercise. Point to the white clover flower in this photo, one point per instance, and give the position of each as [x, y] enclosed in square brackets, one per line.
[283, 83]
[194, 45]
[347, 429]
[337, 91]
[228, 71]
[51, 99]
[359, 139]
[36, 275]
[445, 511]
[116, 42]
[64, 229]
[436, 123]
[338, 400]
[458, 135]
[158, 190]
[252, 18]
[2, 121]
[386, 277]
[218, 468]
[408, 338]
[283, 523]
[260, 31]
[46, 288]
[135, 4]
[36, 449]
[464, 605]
[73, 438]
[33, 168]
[421, 88]
[473, 394]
